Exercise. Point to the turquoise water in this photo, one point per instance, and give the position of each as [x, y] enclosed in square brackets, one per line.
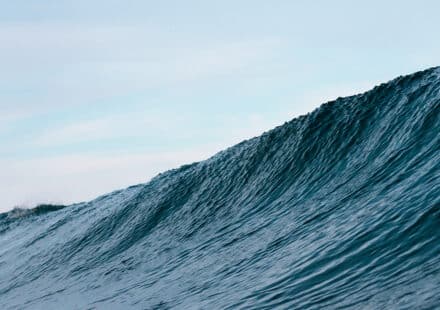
[336, 209]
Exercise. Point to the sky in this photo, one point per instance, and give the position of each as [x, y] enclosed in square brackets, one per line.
[99, 95]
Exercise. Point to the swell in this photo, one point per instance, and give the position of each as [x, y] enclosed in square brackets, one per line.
[337, 208]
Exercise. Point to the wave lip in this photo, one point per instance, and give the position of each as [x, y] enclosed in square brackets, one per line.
[337, 208]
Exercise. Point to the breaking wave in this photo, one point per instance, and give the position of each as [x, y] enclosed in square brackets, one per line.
[339, 208]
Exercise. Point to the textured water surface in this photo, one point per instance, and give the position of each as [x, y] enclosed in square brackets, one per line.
[336, 209]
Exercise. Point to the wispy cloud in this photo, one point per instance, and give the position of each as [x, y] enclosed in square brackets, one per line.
[110, 126]
[67, 64]
[74, 133]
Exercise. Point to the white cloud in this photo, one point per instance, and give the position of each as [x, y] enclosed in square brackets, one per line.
[8, 118]
[130, 124]
[74, 133]
[46, 66]
[176, 66]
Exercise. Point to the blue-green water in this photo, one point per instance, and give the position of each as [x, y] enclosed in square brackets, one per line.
[336, 209]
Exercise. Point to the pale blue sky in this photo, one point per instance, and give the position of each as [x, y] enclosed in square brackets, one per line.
[99, 95]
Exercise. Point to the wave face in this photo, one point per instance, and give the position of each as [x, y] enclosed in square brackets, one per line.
[338, 208]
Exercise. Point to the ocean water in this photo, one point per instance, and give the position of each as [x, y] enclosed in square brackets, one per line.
[336, 209]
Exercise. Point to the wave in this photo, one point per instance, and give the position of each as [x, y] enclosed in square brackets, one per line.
[339, 208]
[40, 209]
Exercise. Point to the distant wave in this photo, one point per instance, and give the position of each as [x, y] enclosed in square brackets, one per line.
[339, 208]
[38, 210]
